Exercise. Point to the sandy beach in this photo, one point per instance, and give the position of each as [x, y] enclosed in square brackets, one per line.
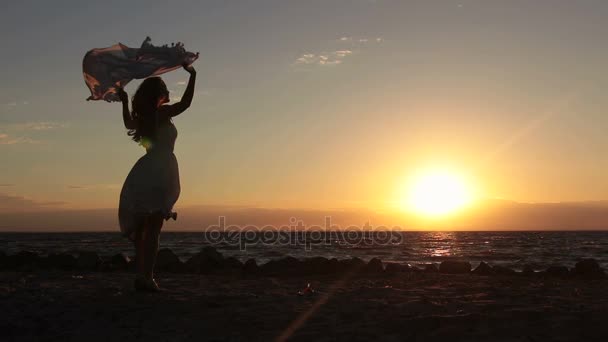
[98, 306]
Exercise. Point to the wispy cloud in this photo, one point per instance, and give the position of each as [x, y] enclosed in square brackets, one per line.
[12, 105]
[21, 203]
[93, 186]
[6, 139]
[13, 133]
[6, 184]
[325, 59]
[358, 41]
[16, 103]
[337, 56]
[76, 187]
[34, 126]
[176, 95]
[203, 92]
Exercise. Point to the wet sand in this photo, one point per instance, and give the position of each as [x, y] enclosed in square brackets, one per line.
[97, 306]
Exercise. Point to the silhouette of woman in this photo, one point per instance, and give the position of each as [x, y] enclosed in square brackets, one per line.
[152, 187]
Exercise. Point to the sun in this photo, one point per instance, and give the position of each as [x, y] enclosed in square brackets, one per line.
[437, 193]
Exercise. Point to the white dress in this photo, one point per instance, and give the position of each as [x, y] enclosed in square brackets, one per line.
[152, 186]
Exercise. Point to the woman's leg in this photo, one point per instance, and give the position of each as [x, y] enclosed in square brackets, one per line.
[139, 244]
[151, 243]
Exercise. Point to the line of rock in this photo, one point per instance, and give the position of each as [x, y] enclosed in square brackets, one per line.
[209, 261]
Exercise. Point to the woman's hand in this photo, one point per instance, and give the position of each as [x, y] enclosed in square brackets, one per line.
[189, 68]
[122, 94]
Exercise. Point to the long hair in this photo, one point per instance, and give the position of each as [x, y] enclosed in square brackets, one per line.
[152, 92]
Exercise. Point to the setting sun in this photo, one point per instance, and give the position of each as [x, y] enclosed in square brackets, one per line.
[437, 193]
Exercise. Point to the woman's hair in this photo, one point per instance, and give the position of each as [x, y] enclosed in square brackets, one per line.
[152, 92]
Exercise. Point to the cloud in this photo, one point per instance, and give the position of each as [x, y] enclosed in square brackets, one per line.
[342, 53]
[336, 56]
[34, 126]
[5, 139]
[76, 187]
[307, 58]
[176, 95]
[360, 41]
[20, 127]
[325, 59]
[181, 83]
[94, 187]
[20, 203]
[6, 184]
[202, 92]
[9, 106]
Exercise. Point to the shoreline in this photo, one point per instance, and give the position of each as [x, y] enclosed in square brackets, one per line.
[210, 261]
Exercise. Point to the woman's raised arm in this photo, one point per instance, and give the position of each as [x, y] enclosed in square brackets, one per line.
[126, 114]
[184, 103]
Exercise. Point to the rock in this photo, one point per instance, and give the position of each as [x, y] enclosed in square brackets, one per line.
[417, 269]
[483, 269]
[232, 264]
[251, 267]
[24, 260]
[61, 261]
[349, 265]
[557, 271]
[502, 270]
[374, 266]
[211, 260]
[431, 268]
[287, 265]
[212, 254]
[528, 270]
[88, 261]
[317, 265]
[132, 265]
[454, 267]
[588, 268]
[394, 268]
[119, 262]
[3, 260]
[208, 260]
[193, 265]
[334, 265]
[166, 260]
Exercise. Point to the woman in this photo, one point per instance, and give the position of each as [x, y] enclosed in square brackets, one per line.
[152, 187]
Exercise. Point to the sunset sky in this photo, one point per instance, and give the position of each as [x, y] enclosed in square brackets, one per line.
[316, 104]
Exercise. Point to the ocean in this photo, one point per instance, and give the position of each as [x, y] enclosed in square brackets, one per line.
[510, 249]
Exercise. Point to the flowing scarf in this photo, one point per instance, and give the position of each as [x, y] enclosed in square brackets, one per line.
[105, 69]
